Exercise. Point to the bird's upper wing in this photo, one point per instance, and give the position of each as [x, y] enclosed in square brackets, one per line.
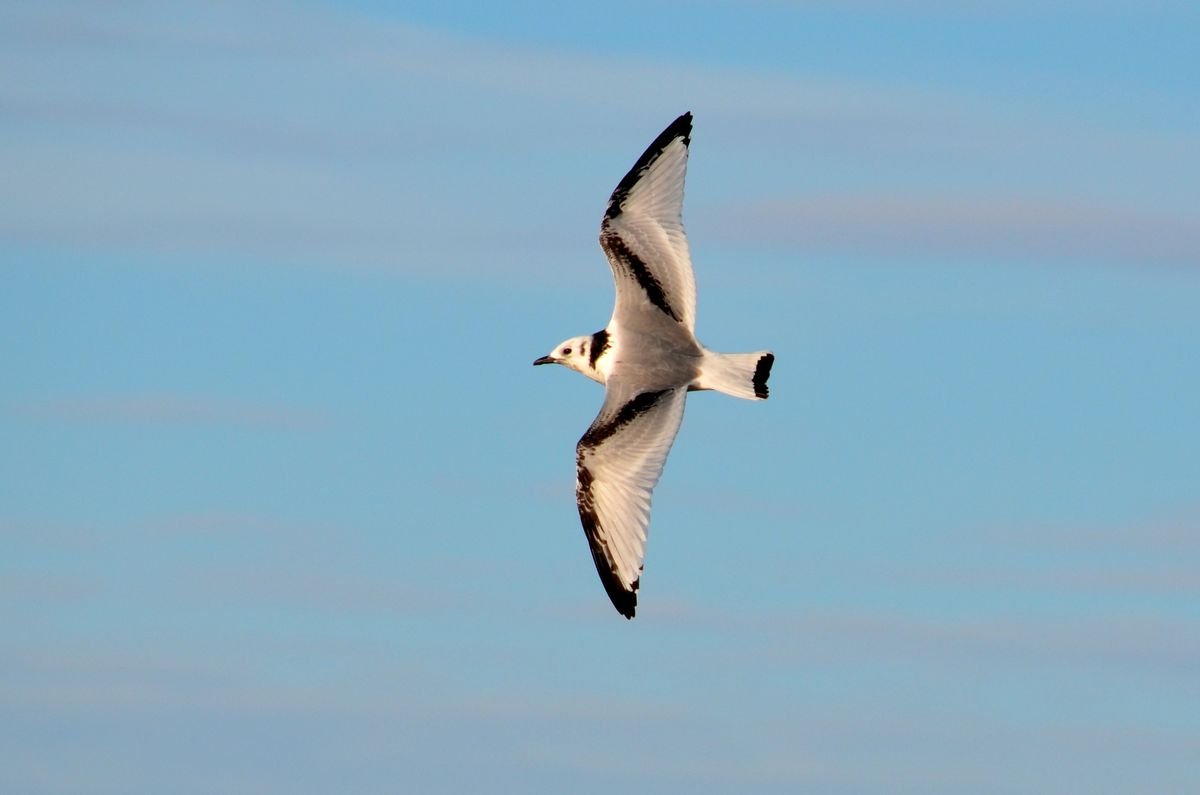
[618, 463]
[642, 231]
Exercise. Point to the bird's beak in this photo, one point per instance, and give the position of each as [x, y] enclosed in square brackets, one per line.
[544, 360]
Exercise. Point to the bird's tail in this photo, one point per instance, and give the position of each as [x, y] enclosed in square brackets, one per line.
[742, 375]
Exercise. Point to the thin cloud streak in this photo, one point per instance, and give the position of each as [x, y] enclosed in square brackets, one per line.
[974, 8]
[1158, 558]
[248, 134]
[386, 49]
[1115, 642]
[1145, 643]
[220, 527]
[319, 591]
[973, 226]
[168, 409]
[1117, 580]
[227, 176]
[1173, 533]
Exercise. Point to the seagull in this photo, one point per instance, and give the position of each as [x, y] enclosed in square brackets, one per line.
[648, 359]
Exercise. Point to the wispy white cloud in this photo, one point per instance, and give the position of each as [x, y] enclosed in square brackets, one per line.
[394, 714]
[240, 140]
[1113, 563]
[923, 224]
[819, 637]
[322, 591]
[1104, 581]
[1169, 534]
[413, 58]
[171, 409]
[217, 526]
[972, 8]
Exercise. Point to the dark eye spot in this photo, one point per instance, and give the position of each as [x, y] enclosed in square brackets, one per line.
[566, 351]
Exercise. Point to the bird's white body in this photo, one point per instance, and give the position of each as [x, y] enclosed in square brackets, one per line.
[648, 358]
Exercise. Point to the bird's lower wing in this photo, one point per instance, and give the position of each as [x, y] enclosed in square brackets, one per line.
[618, 463]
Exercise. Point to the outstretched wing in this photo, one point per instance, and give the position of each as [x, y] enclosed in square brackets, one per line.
[618, 463]
[642, 232]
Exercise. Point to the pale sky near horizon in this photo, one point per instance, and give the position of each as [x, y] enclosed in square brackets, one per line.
[285, 508]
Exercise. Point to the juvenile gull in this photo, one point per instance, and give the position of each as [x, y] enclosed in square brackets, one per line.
[648, 359]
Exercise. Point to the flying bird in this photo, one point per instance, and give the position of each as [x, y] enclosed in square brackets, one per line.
[648, 359]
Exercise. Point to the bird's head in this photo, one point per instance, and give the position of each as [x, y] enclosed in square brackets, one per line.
[574, 353]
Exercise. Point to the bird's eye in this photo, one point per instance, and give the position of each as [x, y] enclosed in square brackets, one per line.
[566, 351]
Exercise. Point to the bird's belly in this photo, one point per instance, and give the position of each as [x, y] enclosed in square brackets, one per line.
[654, 361]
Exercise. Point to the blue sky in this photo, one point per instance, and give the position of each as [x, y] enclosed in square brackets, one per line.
[286, 509]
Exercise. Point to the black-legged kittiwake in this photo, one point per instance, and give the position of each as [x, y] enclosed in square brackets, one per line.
[648, 359]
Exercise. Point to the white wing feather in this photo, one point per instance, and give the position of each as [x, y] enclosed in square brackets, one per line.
[644, 221]
[619, 462]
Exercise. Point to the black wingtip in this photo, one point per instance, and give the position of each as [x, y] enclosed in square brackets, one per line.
[624, 600]
[680, 128]
[761, 373]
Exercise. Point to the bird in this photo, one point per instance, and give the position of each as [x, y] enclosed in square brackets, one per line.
[648, 359]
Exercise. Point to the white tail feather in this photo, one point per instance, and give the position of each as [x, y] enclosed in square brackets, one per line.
[742, 375]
